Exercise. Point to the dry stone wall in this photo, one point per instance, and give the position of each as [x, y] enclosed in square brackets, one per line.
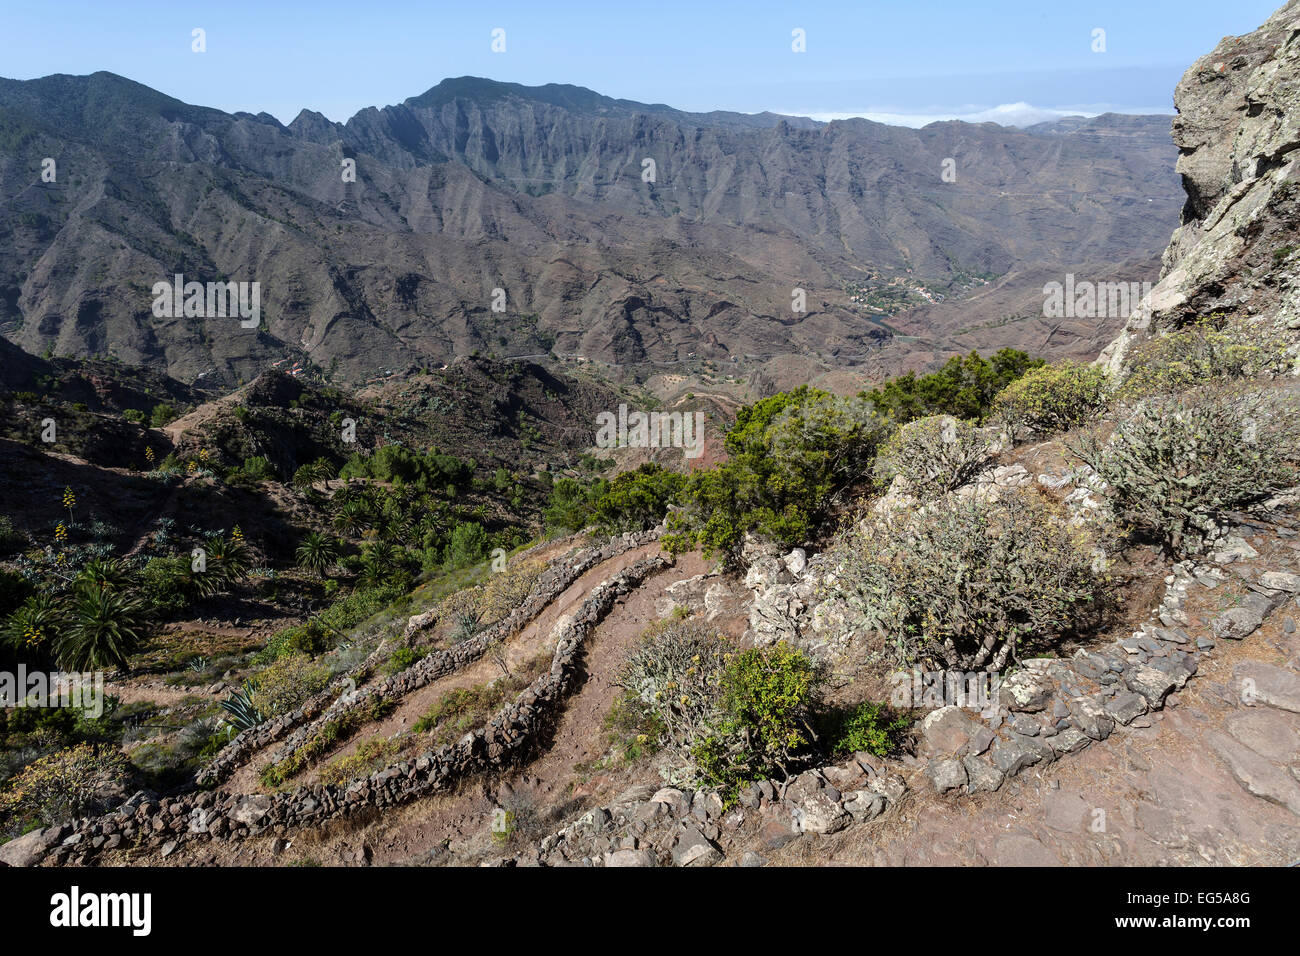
[167, 823]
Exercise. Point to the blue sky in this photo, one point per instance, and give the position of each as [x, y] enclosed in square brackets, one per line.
[904, 61]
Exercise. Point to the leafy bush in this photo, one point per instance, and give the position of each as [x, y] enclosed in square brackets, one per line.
[400, 465]
[369, 756]
[572, 504]
[64, 785]
[934, 455]
[401, 659]
[36, 626]
[162, 414]
[674, 675]
[10, 540]
[867, 727]
[1176, 463]
[467, 545]
[964, 388]
[1208, 349]
[966, 579]
[166, 585]
[506, 589]
[259, 468]
[791, 458]
[133, 415]
[287, 682]
[767, 699]
[1053, 398]
[638, 500]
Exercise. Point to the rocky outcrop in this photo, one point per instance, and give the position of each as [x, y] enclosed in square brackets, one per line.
[1238, 134]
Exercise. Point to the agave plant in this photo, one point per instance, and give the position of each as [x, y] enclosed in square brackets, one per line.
[467, 625]
[241, 712]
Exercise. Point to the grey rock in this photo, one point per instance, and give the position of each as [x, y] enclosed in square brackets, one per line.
[621, 858]
[694, 849]
[250, 810]
[1274, 686]
[819, 813]
[1126, 706]
[864, 805]
[1154, 685]
[982, 775]
[1236, 623]
[25, 850]
[948, 730]
[674, 800]
[1027, 691]
[1280, 581]
[1012, 756]
[1071, 740]
[947, 774]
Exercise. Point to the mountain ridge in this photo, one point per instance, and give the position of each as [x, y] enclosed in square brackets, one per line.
[474, 186]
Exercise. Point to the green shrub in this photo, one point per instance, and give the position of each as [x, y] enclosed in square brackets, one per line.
[638, 500]
[133, 415]
[933, 455]
[36, 626]
[258, 467]
[572, 504]
[166, 585]
[1176, 464]
[965, 580]
[162, 414]
[287, 682]
[791, 460]
[507, 589]
[401, 659]
[64, 785]
[467, 545]
[869, 727]
[1053, 398]
[768, 695]
[964, 388]
[1209, 349]
[10, 540]
[674, 674]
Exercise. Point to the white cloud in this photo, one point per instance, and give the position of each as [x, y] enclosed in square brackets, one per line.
[1006, 114]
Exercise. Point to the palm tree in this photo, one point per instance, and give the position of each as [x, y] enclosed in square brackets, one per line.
[103, 630]
[378, 562]
[351, 518]
[317, 552]
[227, 563]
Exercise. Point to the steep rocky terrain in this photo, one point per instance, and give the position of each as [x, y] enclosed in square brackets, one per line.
[491, 717]
[476, 186]
[1237, 250]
